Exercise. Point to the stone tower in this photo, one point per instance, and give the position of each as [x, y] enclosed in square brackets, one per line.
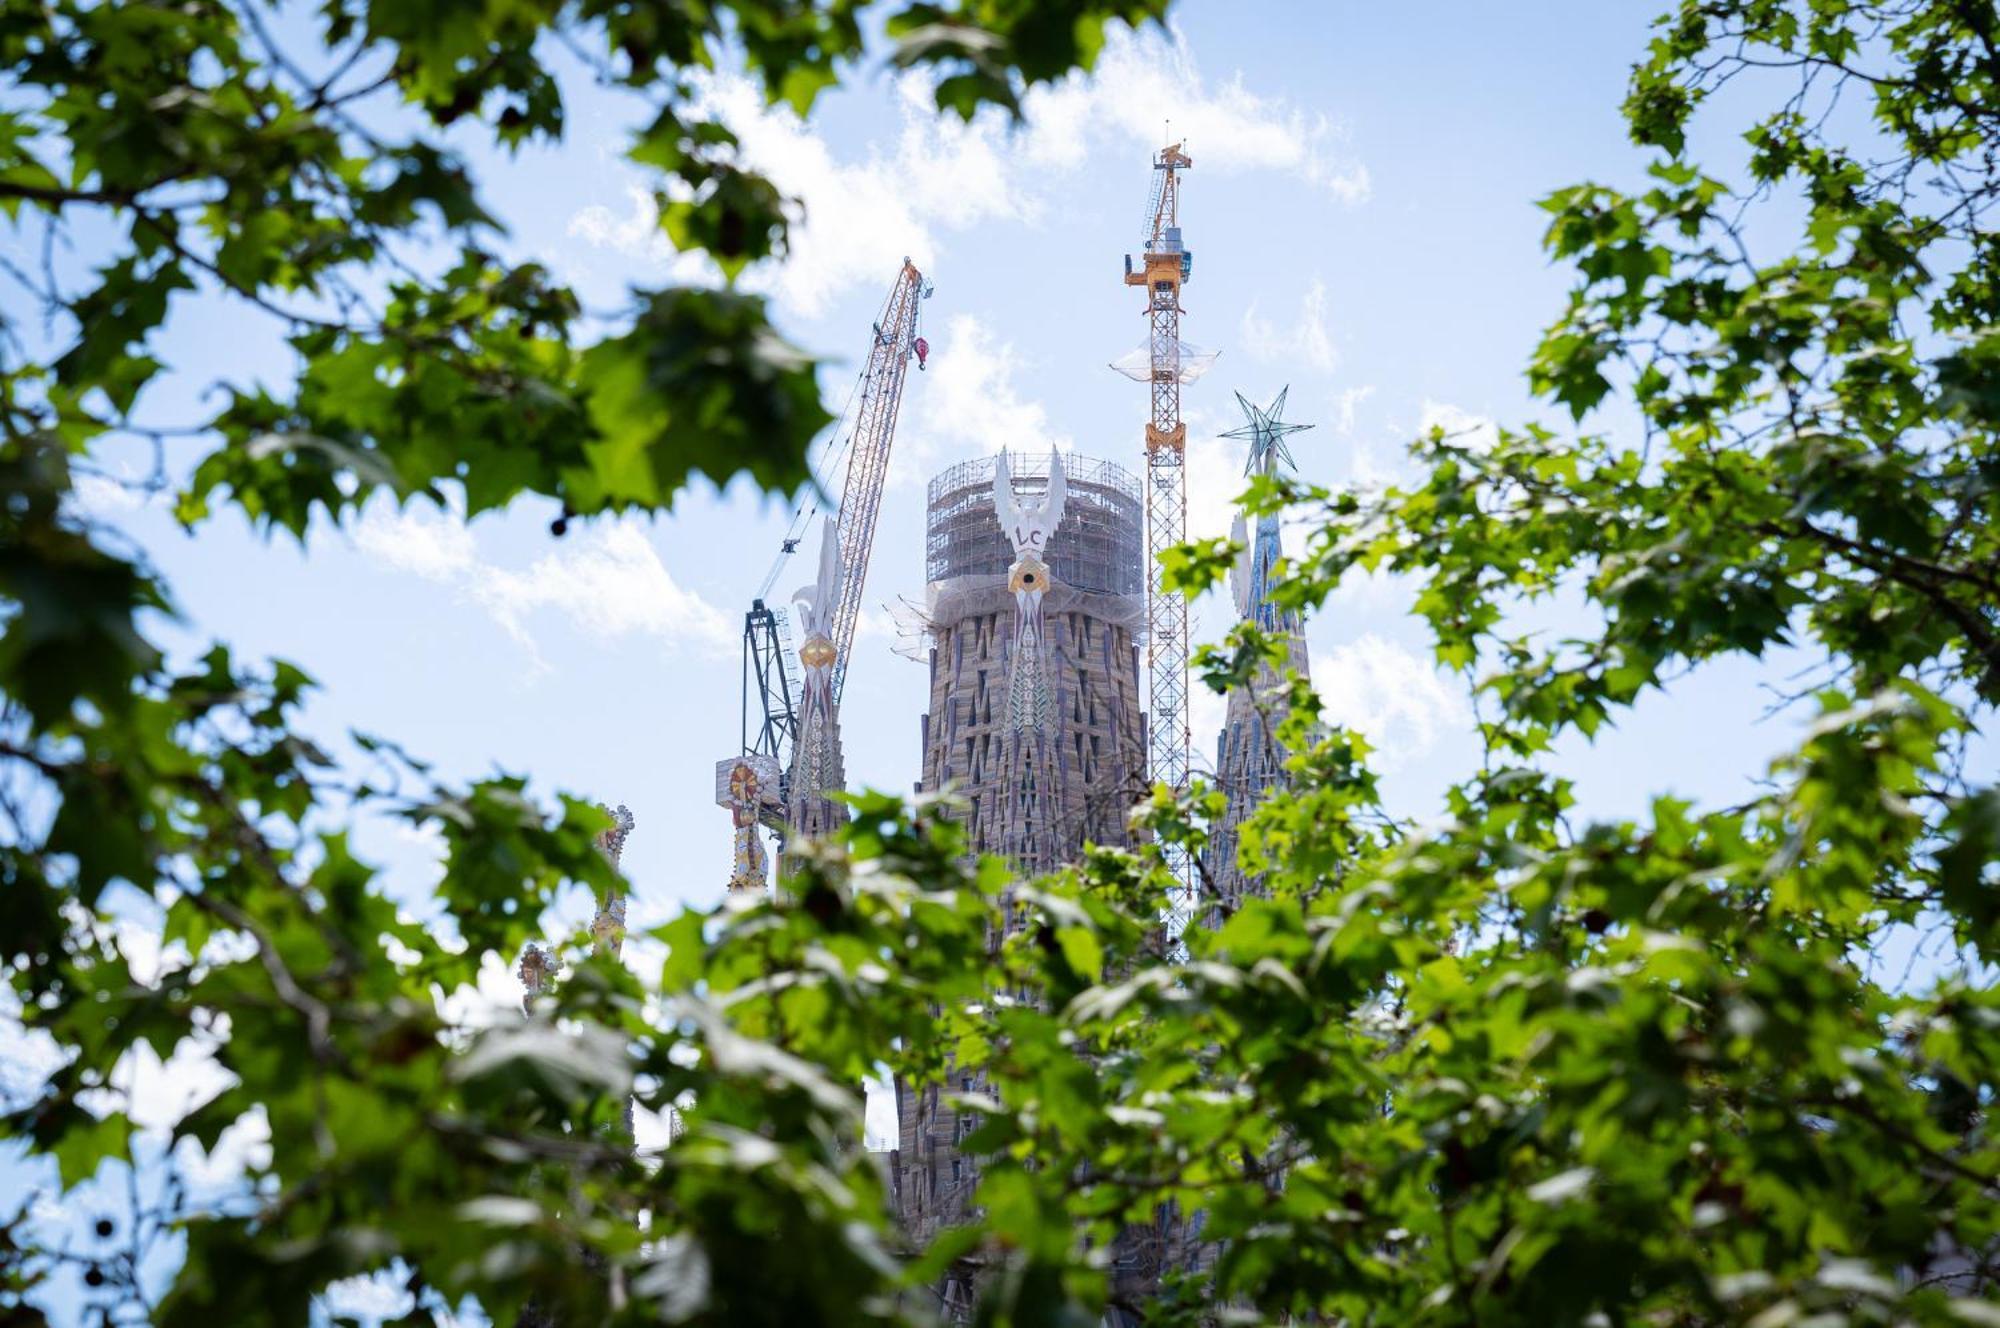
[1249, 759]
[818, 772]
[1035, 717]
[1035, 599]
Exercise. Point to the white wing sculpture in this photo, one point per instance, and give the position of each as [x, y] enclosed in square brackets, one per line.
[816, 601]
[1029, 528]
[1240, 574]
[1005, 506]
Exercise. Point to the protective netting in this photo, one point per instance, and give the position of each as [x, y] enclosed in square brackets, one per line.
[954, 598]
[1189, 360]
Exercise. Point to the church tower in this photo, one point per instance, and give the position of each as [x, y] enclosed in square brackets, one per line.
[818, 772]
[1033, 609]
[1249, 759]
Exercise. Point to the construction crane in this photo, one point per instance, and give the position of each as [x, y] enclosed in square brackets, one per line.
[859, 444]
[1164, 266]
[897, 342]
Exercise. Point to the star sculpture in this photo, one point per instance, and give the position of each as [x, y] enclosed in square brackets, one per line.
[1266, 431]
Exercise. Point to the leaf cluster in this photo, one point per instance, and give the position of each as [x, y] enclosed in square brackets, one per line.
[1498, 1068]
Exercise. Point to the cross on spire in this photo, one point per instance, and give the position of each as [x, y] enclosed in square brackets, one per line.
[1266, 429]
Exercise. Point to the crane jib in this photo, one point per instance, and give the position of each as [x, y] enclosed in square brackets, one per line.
[895, 335]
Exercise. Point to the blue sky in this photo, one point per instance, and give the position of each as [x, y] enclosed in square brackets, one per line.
[1362, 214]
[1362, 211]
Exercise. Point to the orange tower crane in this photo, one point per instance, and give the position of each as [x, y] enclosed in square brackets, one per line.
[1161, 271]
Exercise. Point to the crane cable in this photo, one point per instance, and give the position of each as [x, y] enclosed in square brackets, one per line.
[833, 452]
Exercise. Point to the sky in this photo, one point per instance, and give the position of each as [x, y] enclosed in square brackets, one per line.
[1362, 211]
[1362, 214]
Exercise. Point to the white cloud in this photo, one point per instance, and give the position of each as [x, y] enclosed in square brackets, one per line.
[434, 545]
[1369, 472]
[859, 216]
[610, 582]
[875, 624]
[1363, 592]
[367, 1298]
[102, 496]
[1347, 403]
[856, 220]
[1214, 475]
[110, 488]
[1146, 85]
[1393, 695]
[1474, 431]
[971, 400]
[1309, 341]
[636, 231]
[859, 219]
[607, 580]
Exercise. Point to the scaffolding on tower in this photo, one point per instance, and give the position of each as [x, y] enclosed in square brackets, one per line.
[1165, 363]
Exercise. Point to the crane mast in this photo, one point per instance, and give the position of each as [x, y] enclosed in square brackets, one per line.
[1163, 268]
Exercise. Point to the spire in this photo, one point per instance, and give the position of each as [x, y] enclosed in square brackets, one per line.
[749, 787]
[1249, 759]
[609, 924]
[1033, 815]
[1266, 429]
[817, 771]
[540, 964]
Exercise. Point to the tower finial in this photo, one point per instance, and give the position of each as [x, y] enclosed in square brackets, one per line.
[611, 840]
[1267, 430]
[609, 924]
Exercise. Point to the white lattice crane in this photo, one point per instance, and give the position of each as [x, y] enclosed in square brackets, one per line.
[896, 342]
[859, 451]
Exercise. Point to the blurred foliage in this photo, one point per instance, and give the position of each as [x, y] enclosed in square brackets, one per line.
[299, 161]
[1501, 1069]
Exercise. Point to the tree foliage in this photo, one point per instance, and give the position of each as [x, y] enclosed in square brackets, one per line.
[1508, 1069]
